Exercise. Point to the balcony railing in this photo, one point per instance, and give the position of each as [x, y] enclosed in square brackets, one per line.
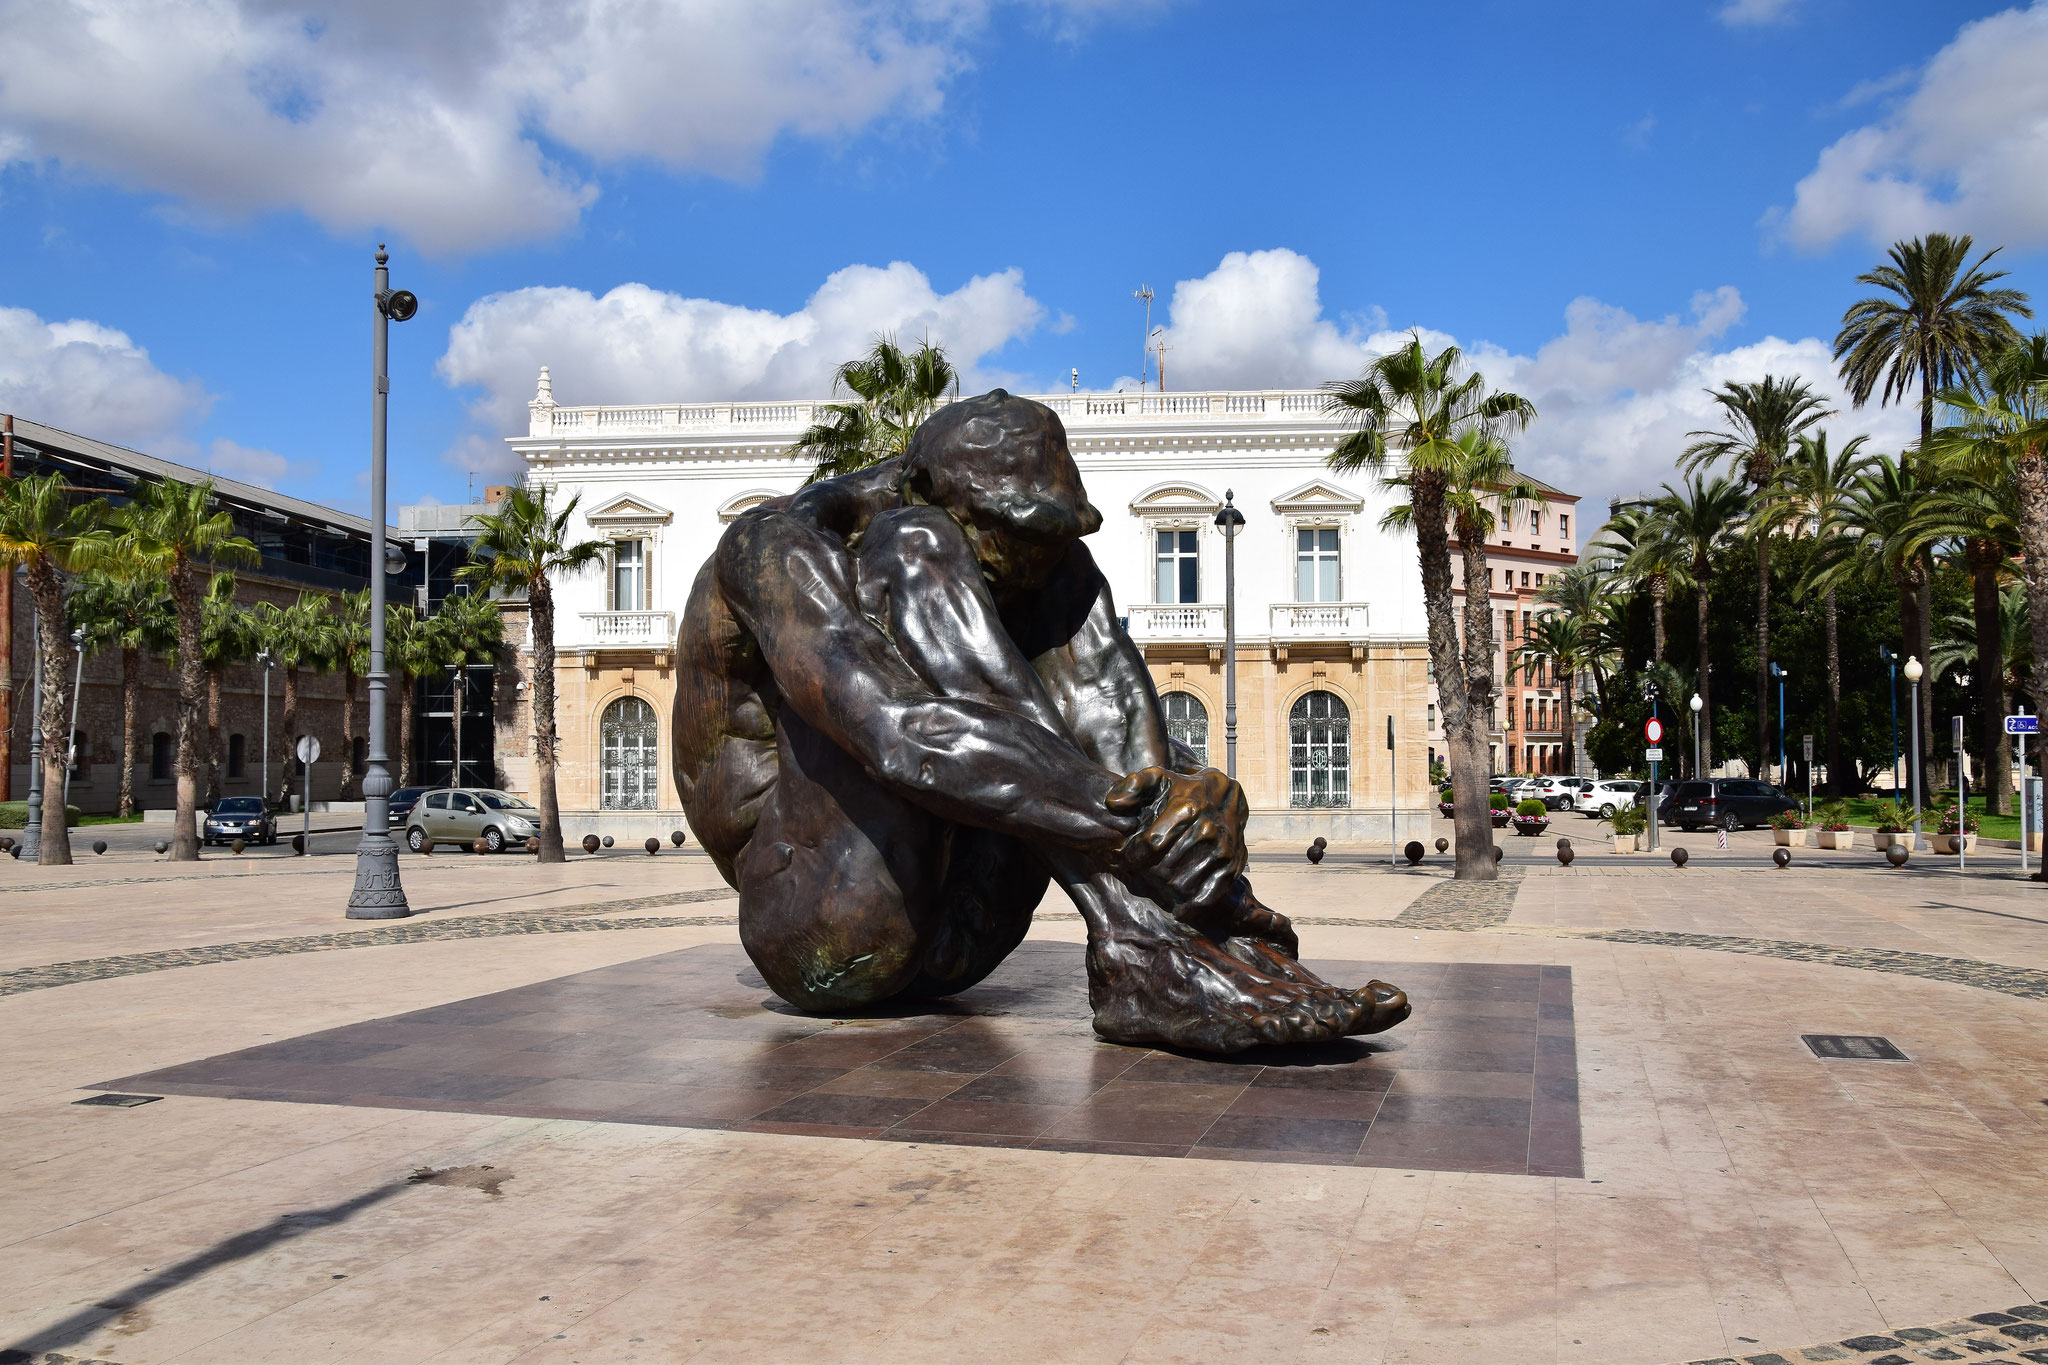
[1318, 620]
[1176, 621]
[628, 629]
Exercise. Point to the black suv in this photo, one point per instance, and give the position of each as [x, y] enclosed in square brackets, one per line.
[1723, 802]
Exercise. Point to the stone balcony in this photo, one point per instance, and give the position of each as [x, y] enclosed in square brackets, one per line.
[1202, 622]
[623, 630]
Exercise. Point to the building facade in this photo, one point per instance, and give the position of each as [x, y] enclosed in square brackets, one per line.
[1331, 650]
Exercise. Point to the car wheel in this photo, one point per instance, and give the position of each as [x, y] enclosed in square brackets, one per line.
[416, 838]
[494, 839]
[1607, 811]
[1730, 824]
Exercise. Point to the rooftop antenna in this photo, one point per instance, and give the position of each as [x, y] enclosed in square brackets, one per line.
[1159, 345]
[1144, 291]
[1075, 374]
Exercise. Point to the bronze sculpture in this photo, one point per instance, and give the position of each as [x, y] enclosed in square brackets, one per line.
[904, 702]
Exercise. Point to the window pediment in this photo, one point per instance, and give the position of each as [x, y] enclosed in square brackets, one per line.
[1318, 497]
[1175, 500]
[628, 511]
[743, 502]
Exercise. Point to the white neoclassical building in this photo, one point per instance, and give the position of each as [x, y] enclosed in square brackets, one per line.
[1330, 632]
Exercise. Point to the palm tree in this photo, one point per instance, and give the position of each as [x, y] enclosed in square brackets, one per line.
[1956, 643]
[1997, 445]
[896, 391]
[1563, 642]
[170, 531]
[298, 636]
[1875, 538]
[519, 548]
[1427, 427]
[412, 650]
[348, 645]
[472, 630]
[1698, 526]
[227, 636]
[1642, 559]
[131, 612]
[1941, 320]
[1763, 420]
[50, 535]
[1812, 491]
[1582, 592]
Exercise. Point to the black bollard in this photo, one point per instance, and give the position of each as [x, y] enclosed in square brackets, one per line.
[677, 838]
[532, 845]
[1414, 852]
[653, 845]
[1497, 854]
[1564, 852]
[162, 846]
[1782, 857]
[1315, 853]
[607, 841]
[238, 845]
[99, 845]
[299, 844]
[1678, 857]
[1896, 855]
[590, 843]
[1443, 845]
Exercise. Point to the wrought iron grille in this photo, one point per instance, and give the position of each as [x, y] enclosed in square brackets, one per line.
[1187, 722]
[1319, 751]
[629, 760]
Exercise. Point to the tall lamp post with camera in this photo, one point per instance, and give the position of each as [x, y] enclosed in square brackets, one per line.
[1914, 671]
[1229, 521]
[378, 893]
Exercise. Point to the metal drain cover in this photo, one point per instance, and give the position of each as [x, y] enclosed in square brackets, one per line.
[119, 1101]
[1854, 1047]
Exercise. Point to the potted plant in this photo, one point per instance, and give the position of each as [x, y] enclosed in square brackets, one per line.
[1532, 817]
[1628, 823]
[1894, 826]
[1955, 831]
[1501, 815]
[1444, 805]
[1834, 826]
[1788, 829]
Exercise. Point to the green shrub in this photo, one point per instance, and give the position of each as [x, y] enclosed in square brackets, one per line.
[1445, 796]
[14, 815]
[1630, 819]
[1894, 817]
[1532, 808]
[1788, 819]
[1834, 816]
[1498, 801]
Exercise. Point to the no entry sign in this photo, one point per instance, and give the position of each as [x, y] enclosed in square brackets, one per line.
[1653, 730]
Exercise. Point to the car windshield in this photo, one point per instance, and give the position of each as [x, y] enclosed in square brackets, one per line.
[504, 801]
[240, 805]
[407, 794]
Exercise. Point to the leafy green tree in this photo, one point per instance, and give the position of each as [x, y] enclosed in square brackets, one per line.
[1431, 430]
[1697, 527]
[1938, 320]
[228, 635]
[1641, 559]
[1563, 642]
[895, 390]
[1584, 593]
[413, 648]
[173, 531]
[519, 549]
[131, 612]
[1812, 492]
[348, 645]
[299, 636]
[50, 534]
[1762, 420]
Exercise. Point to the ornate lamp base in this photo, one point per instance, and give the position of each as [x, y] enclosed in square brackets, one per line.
[377, 893]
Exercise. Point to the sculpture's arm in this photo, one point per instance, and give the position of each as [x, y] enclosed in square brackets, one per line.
[793, 587]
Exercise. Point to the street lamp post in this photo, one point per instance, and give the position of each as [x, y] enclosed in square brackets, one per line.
[1650, 689]
[1228, 520]
[263, 657]
[458, 683]
[1780, 674]
[1913, 672]
[71, 735]
[1891, 662]
[378, 893]
[1698, 704]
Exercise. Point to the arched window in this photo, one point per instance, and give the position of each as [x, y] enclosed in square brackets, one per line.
[629, 735]
[1319, 750]
[1187, 722]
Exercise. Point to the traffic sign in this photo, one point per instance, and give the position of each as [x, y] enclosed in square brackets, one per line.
[2023, 725]
[1807, 743]
[1653, 755]
[309, 749]
[1653, 730]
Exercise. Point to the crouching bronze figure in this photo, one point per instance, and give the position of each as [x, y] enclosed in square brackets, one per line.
[904, 703]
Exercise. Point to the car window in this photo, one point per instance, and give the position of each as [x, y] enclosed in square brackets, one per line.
[438, 801]
[462, 802]
[504, 801]
[1690, 791]
[407, 794]
[240, 805]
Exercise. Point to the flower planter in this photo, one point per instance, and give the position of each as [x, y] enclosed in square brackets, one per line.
[1501, 818]
[1445, 809]
[1946, 843]
[1624, 843]
[1838, 838]
[1531, 827]
[1789, 838]
[2034, 843]
[1885, 838]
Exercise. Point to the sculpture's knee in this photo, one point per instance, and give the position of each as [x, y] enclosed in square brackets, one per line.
[914, 542]
[821, 942]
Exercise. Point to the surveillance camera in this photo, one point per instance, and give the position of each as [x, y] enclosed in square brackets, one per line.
[394, 558]
[400, 304]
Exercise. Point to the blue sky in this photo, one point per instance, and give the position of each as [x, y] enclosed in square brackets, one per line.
[1612, 205]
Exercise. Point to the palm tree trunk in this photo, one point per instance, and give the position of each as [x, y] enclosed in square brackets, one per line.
[1659, 590]
[2032, 471]
[348, 733]
[1474, 673]
[541, 604]
[131, 666]
[191, 700]
[1834, 749]
[54, 715]
[1565, 723]
[1763, 655]
[1994, 777]
[1706, 716]
[212, 737]
[405, 700]
[290, 728]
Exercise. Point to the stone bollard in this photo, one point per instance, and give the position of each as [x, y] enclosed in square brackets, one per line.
[1896, 855]
[590, 843]
[1678, 857]
[653, 845]
[479, 846]
[99, 845]
[677, 837]
[237, 846]
[1443, 845]
[607, 841]
[1564, 852]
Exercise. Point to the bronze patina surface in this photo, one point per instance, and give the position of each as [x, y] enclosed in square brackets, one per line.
[904, 703]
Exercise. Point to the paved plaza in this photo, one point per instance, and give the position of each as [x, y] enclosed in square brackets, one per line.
[555, 1117]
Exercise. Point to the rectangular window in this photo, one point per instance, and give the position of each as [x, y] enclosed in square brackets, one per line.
[629, 575]
[161, 749]
[238, 757]
[1315, 565]
[1528, 714]
[1525, 578]
[1432, 715]
[1564, 525]
[1539, 580]
[1179, 564]
[1535, 521]
[81, 765]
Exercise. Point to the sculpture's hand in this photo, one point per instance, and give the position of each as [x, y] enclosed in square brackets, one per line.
[1190, 849]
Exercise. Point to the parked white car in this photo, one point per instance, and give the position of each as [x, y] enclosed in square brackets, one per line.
[1602, 799]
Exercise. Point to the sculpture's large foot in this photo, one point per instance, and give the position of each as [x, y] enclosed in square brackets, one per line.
[1189, 992]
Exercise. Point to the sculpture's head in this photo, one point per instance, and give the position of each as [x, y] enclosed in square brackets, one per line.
[1000, 467]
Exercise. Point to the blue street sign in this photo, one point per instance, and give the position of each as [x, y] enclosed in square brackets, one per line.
[2023, 725]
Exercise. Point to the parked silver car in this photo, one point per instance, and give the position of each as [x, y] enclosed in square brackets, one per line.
[466, 814]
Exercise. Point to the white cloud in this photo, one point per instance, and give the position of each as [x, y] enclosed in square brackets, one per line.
[462, 123]
[637, 344]
[1756, 13]
[93, 380]
[264, 468]
[1967, 151]
[1615, 394]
